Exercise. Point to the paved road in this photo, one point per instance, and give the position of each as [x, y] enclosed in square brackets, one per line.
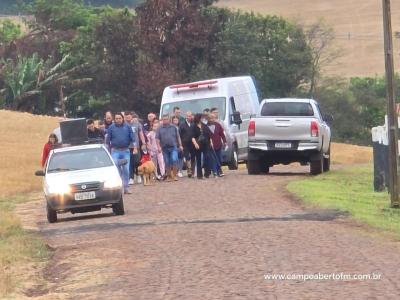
[213, 239]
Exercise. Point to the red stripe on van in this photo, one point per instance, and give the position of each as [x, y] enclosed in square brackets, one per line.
[193, 85]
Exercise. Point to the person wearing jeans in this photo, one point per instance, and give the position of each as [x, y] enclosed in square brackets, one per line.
[219, 142]
[201, 139]
[121, 139]
[168, 141]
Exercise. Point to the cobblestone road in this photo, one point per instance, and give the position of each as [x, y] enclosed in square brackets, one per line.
[213, 239]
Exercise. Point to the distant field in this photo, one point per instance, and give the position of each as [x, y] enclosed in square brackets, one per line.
[358, 26]
[15, 19]
[22, 139]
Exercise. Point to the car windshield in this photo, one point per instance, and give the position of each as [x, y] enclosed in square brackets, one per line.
[79, 160]
[197, 106]
[287, 109]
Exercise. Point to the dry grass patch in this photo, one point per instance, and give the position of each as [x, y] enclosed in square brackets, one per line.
[22, 139]
[350, 154]
[362, 19]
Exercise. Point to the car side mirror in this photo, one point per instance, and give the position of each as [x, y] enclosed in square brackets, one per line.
[328, 118]
[236, 118]
[39, 173]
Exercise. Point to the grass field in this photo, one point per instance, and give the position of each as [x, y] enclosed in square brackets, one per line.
[350, 154]
[350, 190]
[23, 137]
[358, 25]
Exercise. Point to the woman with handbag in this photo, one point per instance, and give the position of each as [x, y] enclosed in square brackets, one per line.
[201, 139]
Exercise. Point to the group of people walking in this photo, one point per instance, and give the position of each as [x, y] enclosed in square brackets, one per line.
[195, 141]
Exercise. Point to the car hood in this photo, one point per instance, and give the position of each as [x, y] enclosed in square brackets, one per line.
[80, 176]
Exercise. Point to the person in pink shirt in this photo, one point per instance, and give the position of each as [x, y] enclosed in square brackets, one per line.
[156, 156]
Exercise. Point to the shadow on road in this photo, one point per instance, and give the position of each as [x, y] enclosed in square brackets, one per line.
[85, 217]
[316, 215]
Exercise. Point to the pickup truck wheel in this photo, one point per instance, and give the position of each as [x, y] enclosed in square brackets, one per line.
[265, 170]
[316, 166]
[234, 162]
[51, 214]
[253, 167]
[327, 161]
[118, 208]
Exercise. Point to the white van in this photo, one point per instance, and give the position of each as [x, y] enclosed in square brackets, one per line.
[235, 98]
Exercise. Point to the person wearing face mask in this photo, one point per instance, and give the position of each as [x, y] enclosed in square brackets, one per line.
[201, 139]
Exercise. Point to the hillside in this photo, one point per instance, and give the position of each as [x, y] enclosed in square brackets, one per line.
[23, 136]
[358, 26]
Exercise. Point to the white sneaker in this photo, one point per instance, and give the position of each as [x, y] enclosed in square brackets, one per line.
[131, 181]
[180, 175]
[139, 179]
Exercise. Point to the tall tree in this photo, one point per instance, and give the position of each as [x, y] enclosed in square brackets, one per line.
[320, 38]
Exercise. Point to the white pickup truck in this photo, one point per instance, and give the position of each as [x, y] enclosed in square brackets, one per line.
[286, 131]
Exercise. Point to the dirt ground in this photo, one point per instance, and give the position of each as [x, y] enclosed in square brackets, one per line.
[212, 239]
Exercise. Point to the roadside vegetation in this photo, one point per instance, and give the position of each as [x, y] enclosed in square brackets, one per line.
[23, 136]
[19, 250]
[351, 190]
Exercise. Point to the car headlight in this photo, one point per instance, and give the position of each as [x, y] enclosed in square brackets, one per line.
[113, 183]
[59, 188]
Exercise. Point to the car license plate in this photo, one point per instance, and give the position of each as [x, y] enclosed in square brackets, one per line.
[283, 145]
[85, 196]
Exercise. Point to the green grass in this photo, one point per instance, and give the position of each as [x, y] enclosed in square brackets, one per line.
[17, 247]
[350, 190]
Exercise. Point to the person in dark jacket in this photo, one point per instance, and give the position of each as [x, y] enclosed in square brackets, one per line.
[94, 133]
[177, 113]
[201, 139]
[121, 139]
[185, 132]
[108, 119]
[219, 143]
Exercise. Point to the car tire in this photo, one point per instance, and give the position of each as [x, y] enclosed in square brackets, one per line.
[327, 161]
[316, 165]
[51, 214]
[253, 167]
[266, 166]
[118, 208]
[234, 162]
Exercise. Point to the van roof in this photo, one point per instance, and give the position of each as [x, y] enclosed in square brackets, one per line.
[216, 80]
[205, 88]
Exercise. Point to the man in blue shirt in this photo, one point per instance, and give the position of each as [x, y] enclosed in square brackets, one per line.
[168, 141]
[121, 139]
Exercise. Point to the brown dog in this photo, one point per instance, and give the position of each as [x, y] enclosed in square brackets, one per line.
[147, 169]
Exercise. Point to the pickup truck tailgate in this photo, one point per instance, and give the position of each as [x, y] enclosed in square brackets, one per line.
[283, 129]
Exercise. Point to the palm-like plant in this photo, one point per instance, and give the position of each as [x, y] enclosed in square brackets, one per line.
[21, 79]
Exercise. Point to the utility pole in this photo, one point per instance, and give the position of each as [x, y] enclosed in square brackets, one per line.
[391, 109]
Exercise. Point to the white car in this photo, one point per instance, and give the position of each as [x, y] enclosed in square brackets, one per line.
[81, 179]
